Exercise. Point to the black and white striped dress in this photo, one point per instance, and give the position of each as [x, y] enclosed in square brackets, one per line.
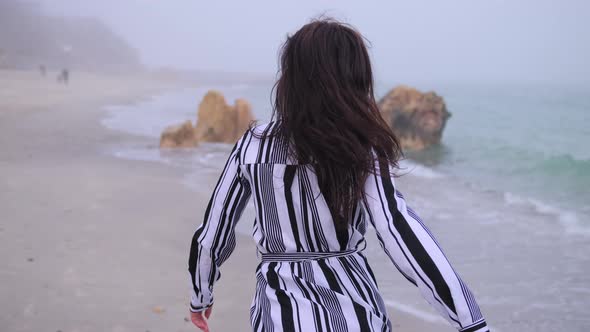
[313, 277]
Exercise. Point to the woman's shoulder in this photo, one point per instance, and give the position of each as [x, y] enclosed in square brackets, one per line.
[263, 144]
[263, 129]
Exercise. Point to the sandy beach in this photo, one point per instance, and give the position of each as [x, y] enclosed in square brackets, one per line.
[95, 243]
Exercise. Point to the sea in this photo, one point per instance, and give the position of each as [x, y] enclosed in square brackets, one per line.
[506, 193]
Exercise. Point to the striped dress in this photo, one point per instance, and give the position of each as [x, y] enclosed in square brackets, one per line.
[313, 277]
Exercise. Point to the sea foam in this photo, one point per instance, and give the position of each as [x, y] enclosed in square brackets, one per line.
[410, 167]
[568, 219]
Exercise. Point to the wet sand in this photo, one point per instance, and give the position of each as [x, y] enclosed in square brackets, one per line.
[95, 243]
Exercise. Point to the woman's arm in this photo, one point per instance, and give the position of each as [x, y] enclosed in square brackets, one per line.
[416, 254]
[215, 239]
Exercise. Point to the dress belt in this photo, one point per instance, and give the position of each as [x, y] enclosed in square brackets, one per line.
[303, 256]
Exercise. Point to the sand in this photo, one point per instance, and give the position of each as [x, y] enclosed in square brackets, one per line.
[95, 243]
[29, 90]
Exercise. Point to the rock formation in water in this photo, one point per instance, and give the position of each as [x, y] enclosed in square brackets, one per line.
[216, 122]
[418, 119]
[180, 136]
[244, 117]
[220, 122]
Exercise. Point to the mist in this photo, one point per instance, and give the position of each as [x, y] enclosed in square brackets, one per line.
[419, 40]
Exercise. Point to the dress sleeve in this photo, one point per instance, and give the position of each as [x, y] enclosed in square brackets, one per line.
[417, 255]
[215, 240]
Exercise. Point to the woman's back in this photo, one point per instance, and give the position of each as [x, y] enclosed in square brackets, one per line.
[291, 213]
[310, 268]
[318, 175]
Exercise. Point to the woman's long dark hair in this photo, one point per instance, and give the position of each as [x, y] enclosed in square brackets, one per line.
[325, 104]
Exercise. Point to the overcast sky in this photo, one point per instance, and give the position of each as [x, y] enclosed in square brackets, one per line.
[411, 40]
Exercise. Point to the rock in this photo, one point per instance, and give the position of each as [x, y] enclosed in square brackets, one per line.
[180, 136]
[220, 122]
[244, 117]
[216, 122]
[418, 119]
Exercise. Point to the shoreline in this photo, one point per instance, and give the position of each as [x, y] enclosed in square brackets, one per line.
[94, 242]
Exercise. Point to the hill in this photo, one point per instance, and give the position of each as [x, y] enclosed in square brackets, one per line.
[30, 38]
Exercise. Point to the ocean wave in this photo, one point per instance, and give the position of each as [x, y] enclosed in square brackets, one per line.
[410, 167]
[151, 155]
[567, 218]
[524, 160]
[565, 164]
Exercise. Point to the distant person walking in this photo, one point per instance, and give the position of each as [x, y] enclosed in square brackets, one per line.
[64, 76]
[43, 70]
[319, 175]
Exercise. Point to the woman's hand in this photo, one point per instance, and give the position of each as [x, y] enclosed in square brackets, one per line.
[200, 319]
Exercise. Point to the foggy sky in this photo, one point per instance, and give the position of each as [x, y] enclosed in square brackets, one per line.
[511, 40]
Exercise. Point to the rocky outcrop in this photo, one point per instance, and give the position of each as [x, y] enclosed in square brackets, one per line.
[180, 136]
[220, 122]
[244, 117]
[418, 119]
[216, 122]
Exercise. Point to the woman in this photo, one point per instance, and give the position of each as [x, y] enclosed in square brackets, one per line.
[318, 175]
